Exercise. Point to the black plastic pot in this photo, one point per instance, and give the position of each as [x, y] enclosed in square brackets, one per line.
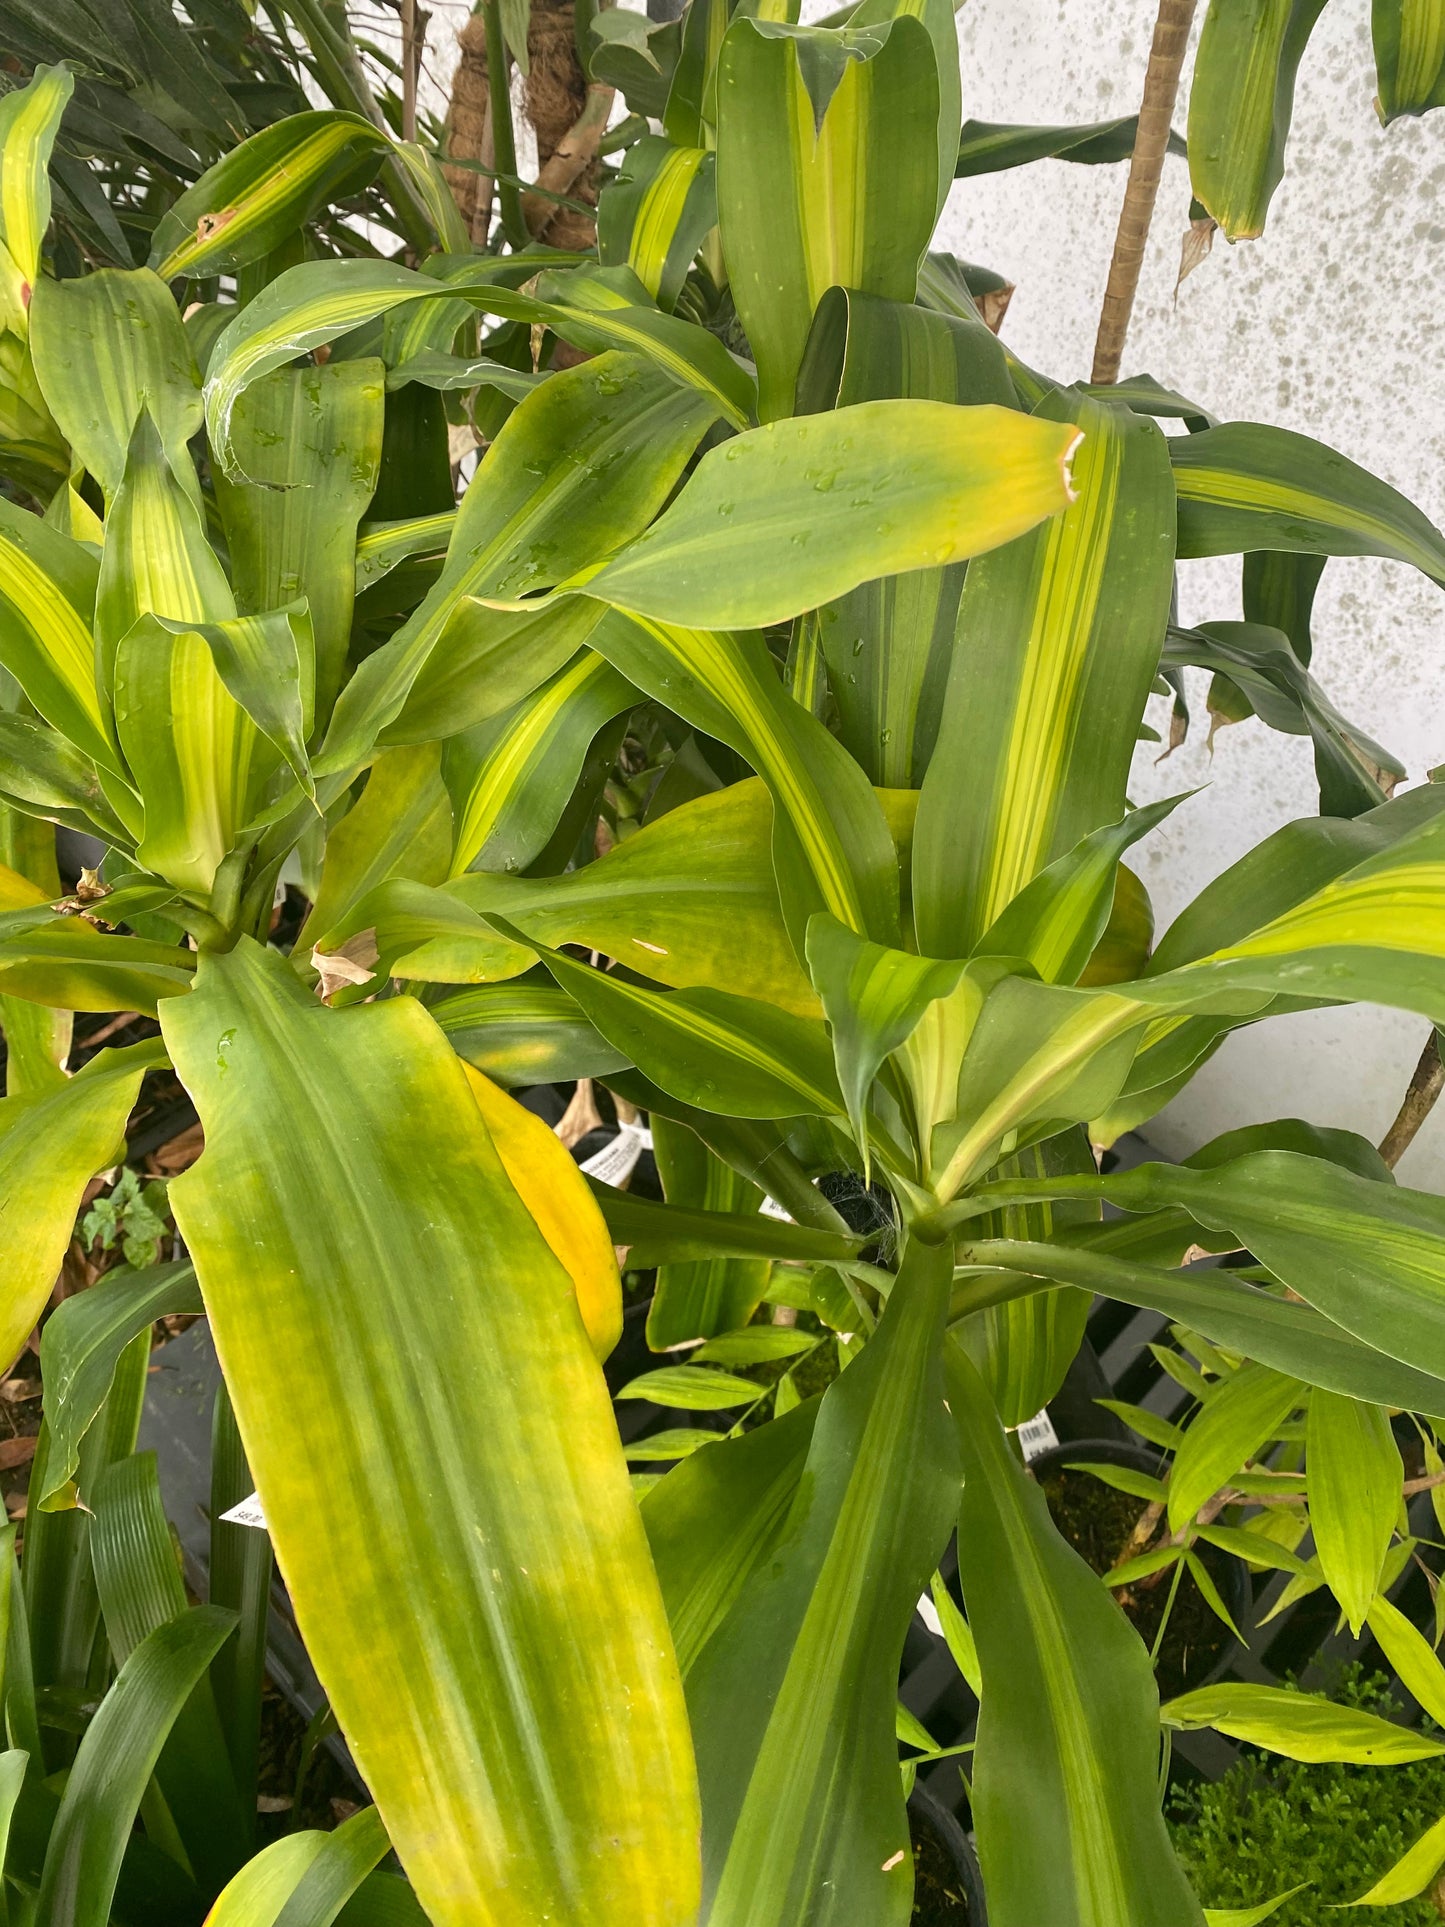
[932, 1825]
[1229, 1574]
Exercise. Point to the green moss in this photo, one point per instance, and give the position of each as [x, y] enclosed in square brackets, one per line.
[1270, 1823]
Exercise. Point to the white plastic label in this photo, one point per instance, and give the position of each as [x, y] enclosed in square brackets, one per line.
[1037, 1435]
[247, 1513]
[616, 1161]
[770, 1208]
[928, 1613]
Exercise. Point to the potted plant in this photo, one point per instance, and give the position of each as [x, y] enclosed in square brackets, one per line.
[765, 508]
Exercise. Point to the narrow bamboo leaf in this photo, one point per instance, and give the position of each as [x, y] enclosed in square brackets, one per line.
[80, 1349]
[985, 147]
[311, 440]
[109, 347]
[1300, 1726]
[528, 1594]
[1411, 1656]
[655, 215]
[1241, 1415]
[711, 1294]
[754, 1345]
[709, 1047]
[1240, 106]
[263, 191]
[525, 1034]
[888, 642]
[1057, 922]
[873, 998]
[1067, 1737]
[29, 121]
[1292, 1338]
[805, 117]
[785, 517]
[690, 900]
[51, 1144]
[1409, 38]
[141, 1590]
[1354, 1474]
[661, 1234]
[1058, 642]
[716, 1517]
[546, 1178]
[510, 778]
[832, 849]
[1023, 1348]
[693, 1388]
[116, 1759]
[1250, 1916]
[585, 462]
[1248, 486]
[795, 1731]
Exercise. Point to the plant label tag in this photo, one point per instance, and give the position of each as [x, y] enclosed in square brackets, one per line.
[247, 1512]
[928, 1613]
[1037, 1435]
[770, 1208]
[616, 1161]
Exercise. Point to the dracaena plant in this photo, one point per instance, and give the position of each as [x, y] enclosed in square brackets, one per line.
[790, 557]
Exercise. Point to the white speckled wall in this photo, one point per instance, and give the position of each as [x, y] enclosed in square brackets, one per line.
[1327, 325]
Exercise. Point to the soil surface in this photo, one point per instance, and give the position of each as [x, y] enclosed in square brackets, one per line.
[939, 1899]
[1097, 1520]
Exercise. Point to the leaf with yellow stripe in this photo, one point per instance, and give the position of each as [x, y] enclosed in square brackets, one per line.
[531, 1755]
[263, 191]
[655, 215]
[47, 598]
[1240, 106]
[29, 121]
[1409, 37]
[510, 778]
[1058, 641]
[833, 131]
[1247, 486]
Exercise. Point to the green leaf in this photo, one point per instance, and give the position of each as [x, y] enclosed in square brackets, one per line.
[72, 966]
[785, 517]
[713, 1519]
[1409, 37]
[80, 1349]
[711, 1294]
[757, 1344]
[661, 1234]
[310, 439]
[1411, 1873]
[1058, 643]
[52, 1142]
[1250, 1916]
[109, 347]
[400, 827]
[1410, 1655]
[709, 1047]
[832, 130]
[510, 777]
[832, 848]
[263, 191]
[267, 663]
[985, 147]
[524, 1034]
[795, 1725]
[1292, 1338]
[1240, 106]
[115, 1761]
[341, 1864]
[528, 1595]
[874, 998]
[1242, 1414]
[585, 462]
[1248, 486]
[657, 212]
[29, 121]
[888, 642]
[676, 1444]
[45, 638]
[1067, 1737]
[41, 774]
[694, 1389]
[141, 1590]
[1301, 1726]
[1355, 1477]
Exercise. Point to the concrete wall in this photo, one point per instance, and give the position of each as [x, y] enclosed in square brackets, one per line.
[1328, 325]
